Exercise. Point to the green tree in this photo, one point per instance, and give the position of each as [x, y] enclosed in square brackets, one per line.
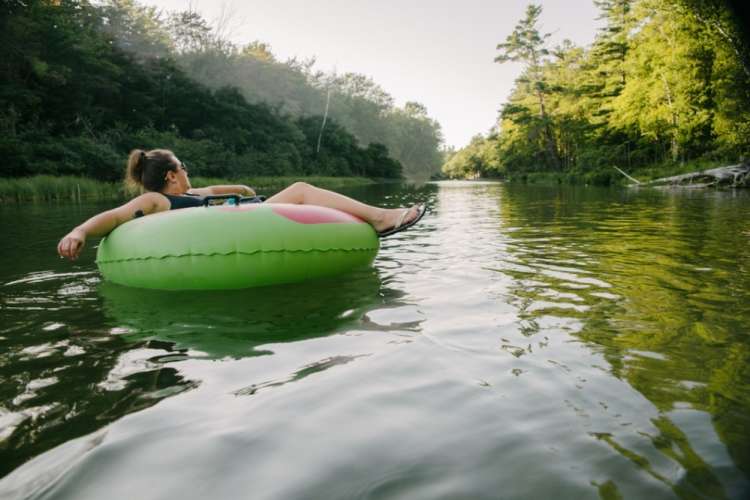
[258, 50]
[414, 139]
[82, 84]
[479, 159]
[135, 29]
[668, 97]
[525, 44]
[189, 31]
[664, 83]
[611, 44]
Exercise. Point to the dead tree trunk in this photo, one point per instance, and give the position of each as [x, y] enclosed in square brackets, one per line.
[731, 176]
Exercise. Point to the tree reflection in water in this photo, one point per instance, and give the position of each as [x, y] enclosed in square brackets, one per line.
[649, 282]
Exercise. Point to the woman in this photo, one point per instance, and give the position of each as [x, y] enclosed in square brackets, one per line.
[165, 180]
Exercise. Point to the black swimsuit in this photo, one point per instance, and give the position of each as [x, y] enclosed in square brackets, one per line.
[188, 200]
[184, 201]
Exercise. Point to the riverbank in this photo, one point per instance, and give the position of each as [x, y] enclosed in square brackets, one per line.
[612, 177]
[43, 188]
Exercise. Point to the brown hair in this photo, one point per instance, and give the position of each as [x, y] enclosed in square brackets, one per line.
[148, 169]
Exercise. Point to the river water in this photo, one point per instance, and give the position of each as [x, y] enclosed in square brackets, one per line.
[520, 342]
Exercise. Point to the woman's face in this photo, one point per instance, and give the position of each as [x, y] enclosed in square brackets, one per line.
[179, 176]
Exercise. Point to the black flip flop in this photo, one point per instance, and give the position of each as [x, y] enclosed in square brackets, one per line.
[421, 209]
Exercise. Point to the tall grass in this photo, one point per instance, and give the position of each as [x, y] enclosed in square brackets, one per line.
[42, 188]
[51, 188]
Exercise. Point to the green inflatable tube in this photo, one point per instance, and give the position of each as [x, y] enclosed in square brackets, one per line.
[230, 247]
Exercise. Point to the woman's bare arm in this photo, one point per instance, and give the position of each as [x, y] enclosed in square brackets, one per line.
[70, 245]
[224, 189]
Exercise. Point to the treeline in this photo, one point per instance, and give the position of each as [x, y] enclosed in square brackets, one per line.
[293, 87]
[81, 84]
[665, 82]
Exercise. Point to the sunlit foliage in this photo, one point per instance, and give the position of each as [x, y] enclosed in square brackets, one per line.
[665, 82]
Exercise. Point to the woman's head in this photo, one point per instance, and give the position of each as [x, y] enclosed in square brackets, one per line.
[157, 170]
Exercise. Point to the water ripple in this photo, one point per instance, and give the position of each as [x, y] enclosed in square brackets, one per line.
[595, 337]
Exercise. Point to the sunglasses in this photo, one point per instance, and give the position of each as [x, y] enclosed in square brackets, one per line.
[182, 166]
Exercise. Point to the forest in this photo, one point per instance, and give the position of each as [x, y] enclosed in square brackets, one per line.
[665, 87]
[82, 83]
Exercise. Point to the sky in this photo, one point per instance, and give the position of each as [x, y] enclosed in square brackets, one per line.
[437, 52]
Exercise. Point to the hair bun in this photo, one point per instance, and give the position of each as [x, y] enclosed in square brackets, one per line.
[139, 164]
[148, 169]
[136, 164]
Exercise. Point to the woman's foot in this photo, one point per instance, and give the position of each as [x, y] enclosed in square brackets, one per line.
[394, 220]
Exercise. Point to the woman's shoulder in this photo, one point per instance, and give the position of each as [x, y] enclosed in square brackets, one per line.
[152, 201]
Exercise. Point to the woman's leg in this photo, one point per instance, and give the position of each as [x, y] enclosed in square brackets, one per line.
[381, 219]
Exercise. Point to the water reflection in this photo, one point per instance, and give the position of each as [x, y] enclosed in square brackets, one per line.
[646, 280]
[233, 324]
[77, 353]
[64, 373]
[595, 337]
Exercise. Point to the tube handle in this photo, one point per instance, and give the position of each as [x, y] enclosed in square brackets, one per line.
[229, 199]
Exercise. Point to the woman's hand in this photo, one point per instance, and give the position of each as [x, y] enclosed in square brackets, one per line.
[102, 224]
[239, 189]
[72, 244]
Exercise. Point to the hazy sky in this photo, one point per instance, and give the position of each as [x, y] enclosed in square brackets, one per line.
[437, 52]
